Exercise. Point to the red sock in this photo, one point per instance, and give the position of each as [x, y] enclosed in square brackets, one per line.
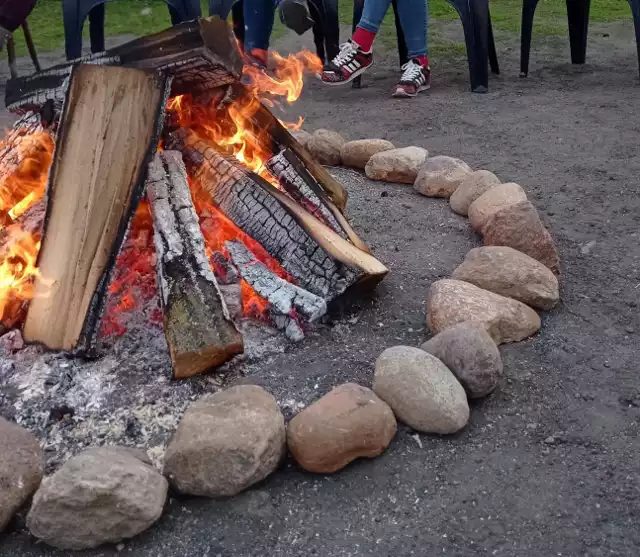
[423, 61]
[363, 38]
[260, 54]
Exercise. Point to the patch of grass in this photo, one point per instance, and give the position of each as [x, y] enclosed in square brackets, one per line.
[140, 17]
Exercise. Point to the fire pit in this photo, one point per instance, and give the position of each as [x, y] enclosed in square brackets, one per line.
[236, 214]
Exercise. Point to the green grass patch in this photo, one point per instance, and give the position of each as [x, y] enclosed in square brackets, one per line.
[141, 17]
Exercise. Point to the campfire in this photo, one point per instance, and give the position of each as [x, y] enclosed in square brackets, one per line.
[150, 169]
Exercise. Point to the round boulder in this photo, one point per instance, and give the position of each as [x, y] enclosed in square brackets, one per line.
[102, 495]
[400, 166]
[21, 468]
[421, 390]
[356, 154]
[471, 355]
[226, 442]
[493, 200]
[509, 272]
[325, 147]
[453, 301]
[440, 176]
[472, 187]
[348, 423]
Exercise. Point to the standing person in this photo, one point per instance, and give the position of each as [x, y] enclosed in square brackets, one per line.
[356, 55]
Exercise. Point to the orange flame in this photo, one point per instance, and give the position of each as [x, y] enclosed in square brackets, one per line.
[20, 189]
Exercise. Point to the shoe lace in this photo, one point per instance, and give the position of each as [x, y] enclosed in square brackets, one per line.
[410, 71]
[347, 51]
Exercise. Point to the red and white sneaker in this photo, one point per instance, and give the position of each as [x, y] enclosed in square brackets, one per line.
[350, 62]
[415, 79]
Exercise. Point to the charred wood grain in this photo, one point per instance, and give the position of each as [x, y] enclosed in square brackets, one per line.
[199, 331]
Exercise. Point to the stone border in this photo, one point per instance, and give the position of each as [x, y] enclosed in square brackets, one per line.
[232, 439]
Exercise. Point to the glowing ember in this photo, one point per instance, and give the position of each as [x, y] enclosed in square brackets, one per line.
[134, 283]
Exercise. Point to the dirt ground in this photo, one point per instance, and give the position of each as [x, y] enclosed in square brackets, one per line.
[570, 137]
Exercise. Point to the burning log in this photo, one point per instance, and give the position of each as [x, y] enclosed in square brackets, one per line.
[198, 329]
[200, 55]
[109, 130]
[283, 296]
[319, 259]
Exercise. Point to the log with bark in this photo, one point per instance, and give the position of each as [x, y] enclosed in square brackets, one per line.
[199, 332]
[108, 133]
[200, 55]
[317, 257]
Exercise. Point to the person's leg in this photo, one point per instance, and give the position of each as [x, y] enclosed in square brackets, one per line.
[356, 56]
[416, 75]
[259, 17]
[237, 16]
[221, 8]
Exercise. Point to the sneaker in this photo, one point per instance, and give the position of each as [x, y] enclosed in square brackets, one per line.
[295, 15]
[415, 79]
[350, 62]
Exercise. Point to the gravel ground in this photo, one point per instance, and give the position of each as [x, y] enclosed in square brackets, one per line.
[548, 464]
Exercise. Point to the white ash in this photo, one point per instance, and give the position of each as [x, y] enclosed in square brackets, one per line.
[125, 397]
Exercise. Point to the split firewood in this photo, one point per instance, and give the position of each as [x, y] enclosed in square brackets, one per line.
[314, 255]
[199, 332]
[200, 55]
[283, 296]
[107, 134]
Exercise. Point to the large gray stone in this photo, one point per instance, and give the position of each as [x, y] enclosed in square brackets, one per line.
[356, 154]
[396, 165]
[421, 391]
[21, 468]
[453, 301]
[508, 272]
[325, 147]
[103, 495]
[440, 176]
[472, 187]
[345, 424]
[471, 355]
[226, 442]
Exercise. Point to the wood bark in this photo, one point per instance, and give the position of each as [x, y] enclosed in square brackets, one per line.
[199, 332]
[109, 130]
[200, 55]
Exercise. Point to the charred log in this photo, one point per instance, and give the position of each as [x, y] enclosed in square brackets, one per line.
[200, 55]
[108, 132]
[199, 332]
[284, 297]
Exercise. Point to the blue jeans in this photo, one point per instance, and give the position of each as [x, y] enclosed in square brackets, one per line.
[413, 16]
[259, 16]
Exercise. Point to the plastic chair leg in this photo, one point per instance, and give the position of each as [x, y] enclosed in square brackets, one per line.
[30, 46]
[96, 28]
[475, 23]
[493, 55]
[578, 16]
[11, 53]
[330, 27]
[528, 11]
[635, 10]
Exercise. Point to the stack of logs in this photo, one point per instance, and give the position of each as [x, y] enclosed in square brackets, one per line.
[110, 111]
